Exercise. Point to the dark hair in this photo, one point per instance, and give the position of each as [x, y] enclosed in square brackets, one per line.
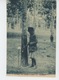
[30, 29]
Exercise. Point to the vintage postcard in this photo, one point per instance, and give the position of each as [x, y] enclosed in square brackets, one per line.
[31, 37]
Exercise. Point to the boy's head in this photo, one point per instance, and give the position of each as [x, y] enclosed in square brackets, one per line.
[31, 30]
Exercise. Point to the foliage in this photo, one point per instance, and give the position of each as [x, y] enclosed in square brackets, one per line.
[48, 4]
[17, 4]
[44, 7]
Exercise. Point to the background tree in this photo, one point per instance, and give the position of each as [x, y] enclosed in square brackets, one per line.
[48, 4]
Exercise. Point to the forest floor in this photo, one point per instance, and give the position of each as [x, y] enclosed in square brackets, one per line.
[45, 57]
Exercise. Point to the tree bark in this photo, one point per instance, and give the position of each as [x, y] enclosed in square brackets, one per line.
[24, 56]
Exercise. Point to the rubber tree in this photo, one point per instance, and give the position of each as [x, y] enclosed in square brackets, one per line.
[24, 55]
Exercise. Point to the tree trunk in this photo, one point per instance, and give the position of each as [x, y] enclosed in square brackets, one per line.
[24, 56]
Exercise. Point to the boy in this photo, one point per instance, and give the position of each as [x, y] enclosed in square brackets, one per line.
[32, 45]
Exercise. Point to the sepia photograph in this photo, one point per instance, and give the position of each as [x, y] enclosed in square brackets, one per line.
[31, 37]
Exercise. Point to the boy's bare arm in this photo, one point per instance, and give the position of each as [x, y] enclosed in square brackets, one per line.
[31, 43]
